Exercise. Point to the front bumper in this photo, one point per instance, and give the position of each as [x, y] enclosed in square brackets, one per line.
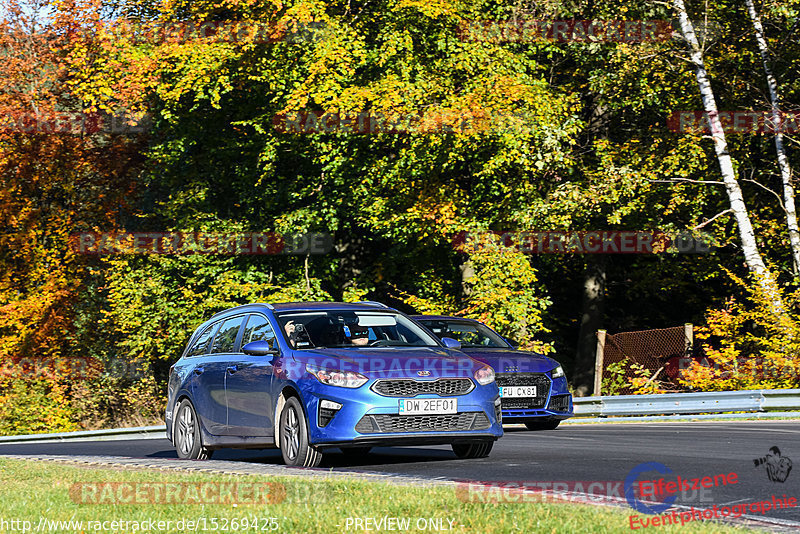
[553, 400]
[366, 418]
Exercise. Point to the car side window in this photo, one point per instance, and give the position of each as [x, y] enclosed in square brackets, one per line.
[257, 329]
[226, 336]
[201, 343]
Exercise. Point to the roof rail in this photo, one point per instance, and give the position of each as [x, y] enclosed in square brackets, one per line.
[373, 303]
[265, 304]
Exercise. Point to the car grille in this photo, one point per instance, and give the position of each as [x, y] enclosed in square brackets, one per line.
[559, 403]
[386, 423]
[540, 380]
[407, 387]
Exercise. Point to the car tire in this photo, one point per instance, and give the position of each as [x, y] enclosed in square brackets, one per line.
[543, 425]
[478, 449]
[355, 452]
[186, 434]
[295, 448]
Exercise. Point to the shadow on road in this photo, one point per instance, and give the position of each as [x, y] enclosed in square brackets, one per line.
[379, 456]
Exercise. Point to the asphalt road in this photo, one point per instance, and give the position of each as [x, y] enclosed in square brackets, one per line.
[586, 453]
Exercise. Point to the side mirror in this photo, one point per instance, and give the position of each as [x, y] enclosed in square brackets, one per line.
[451, 343]
[514, 344]
[259, 348]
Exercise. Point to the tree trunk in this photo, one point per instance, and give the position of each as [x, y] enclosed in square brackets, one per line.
[747, 236]
[467, 273]
[783, 161]
[592, 306]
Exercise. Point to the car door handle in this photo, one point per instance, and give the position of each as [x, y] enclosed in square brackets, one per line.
[198, 371]
[232, 369]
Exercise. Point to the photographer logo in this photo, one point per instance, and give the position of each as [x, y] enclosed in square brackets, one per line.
[778, 467]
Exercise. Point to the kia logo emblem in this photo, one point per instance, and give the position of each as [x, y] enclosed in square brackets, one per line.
[424, 373]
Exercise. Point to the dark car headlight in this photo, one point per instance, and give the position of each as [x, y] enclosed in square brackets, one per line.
[484, 375]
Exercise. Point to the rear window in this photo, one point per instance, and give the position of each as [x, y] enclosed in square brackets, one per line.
[201, 343]
[226, 336]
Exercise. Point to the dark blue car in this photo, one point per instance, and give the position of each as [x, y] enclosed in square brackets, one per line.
[533, 388]
[307, 377]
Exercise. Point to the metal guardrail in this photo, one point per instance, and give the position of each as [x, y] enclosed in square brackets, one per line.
[668, 404]
[112, 434]
[760, 400]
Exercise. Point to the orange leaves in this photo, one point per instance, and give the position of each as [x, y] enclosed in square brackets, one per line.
[53, 181]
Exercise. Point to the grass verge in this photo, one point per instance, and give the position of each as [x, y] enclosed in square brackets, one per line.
[31, 490]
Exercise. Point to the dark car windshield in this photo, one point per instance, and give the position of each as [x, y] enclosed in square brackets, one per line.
[355, 329]
[470, 334]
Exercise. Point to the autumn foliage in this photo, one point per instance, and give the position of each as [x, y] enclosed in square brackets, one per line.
[117, 118]
[748, 346]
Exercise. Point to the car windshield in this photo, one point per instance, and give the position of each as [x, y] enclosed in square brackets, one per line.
[470, 334]
[353, 329]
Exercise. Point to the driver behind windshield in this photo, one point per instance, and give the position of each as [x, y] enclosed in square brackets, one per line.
[357, 335]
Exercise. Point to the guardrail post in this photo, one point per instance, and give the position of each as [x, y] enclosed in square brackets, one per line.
[688, 335]
[598, 362]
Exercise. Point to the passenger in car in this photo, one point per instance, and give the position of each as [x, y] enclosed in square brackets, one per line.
[357, 335]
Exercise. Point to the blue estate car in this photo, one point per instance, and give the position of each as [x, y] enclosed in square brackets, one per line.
[306, 377]
[533, 388]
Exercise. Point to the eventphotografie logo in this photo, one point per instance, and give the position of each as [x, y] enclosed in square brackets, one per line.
[715, 512]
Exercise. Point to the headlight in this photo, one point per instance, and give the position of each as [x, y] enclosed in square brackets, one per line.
[484, 375]
[558, 372]
[342, 379]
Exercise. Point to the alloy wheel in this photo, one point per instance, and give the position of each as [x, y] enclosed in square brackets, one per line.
[291, 433]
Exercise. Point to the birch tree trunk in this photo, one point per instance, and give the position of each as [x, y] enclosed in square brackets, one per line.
[783, 161]
[747, 236]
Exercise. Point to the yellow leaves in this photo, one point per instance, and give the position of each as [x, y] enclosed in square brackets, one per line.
[747, 345]
[429, 8]
[443, 304]
[436, 215]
